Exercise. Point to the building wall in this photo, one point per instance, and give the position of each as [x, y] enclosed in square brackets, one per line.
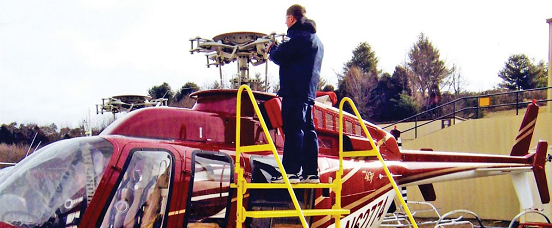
[489, 197]
[424, 128]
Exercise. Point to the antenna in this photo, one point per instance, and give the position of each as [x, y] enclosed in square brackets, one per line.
[37, 145]
[30, 146]
[87, 123]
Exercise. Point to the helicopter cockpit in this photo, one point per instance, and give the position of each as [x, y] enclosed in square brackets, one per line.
[53, 186]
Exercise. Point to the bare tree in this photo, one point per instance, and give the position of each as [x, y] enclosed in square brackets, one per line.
[455, 82]
[357, 85]
[359, 77]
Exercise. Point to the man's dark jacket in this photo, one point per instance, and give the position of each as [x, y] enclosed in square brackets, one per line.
[300, 60]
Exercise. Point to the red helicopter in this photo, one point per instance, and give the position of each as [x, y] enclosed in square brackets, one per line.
[174, 167]
[211, 166]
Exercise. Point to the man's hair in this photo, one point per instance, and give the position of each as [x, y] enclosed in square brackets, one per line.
[297, 11]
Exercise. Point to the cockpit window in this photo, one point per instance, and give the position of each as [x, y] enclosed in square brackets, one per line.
[53, 187]
[142, 195]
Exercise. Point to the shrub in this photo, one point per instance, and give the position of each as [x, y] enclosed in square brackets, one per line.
[11, 153]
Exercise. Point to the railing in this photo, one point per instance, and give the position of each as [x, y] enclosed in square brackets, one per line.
[472, 107]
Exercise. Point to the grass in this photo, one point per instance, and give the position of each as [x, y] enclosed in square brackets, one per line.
[11, 153]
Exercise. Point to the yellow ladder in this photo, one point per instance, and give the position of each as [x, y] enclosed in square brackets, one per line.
[242, 185]
[373, 152]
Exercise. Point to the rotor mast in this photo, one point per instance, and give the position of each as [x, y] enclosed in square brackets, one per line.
[244, 47]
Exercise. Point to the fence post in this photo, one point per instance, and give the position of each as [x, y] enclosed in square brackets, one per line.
[517, 102]
[477, 108]
[454, 113]
[549, 91]
[416, 127]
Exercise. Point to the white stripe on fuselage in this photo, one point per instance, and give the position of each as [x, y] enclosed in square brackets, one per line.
[209, 196]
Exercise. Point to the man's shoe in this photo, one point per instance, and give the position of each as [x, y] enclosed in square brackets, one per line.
[311, 179]
[293, 179]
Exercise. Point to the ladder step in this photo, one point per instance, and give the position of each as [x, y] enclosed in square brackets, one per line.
[363, 153]
[255, 148]
[293, 213]
[282, 186]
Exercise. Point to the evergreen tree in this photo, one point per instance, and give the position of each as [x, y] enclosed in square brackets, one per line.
[400, 81]
[161, 91]
[519, 73]
[363, 58]
[258, 84]
[186, 90]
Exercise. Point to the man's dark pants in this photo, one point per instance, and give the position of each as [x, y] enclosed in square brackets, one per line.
[301, 141]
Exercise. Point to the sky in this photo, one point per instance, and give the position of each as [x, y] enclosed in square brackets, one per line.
[59, 58]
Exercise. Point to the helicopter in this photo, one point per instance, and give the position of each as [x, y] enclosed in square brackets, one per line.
[186, 167]
[174, 167]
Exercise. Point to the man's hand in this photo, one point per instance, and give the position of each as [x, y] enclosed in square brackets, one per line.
[270, 46]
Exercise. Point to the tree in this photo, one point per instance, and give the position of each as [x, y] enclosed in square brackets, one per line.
[322, 83]
[427, 70]
[185, 90]
[455, 82]
[359, 77]
[541, 72]
[161, 91]
[258, 84]
[356, 85]
[214, 85]
[6, 135]
[406, 106]
[328, 88]
[363, 58]
[50, 131]
[519, 73]
[380, 99]
[182, 98]
[276, 88]
[389, 98]
[400, 81]
[23, 134]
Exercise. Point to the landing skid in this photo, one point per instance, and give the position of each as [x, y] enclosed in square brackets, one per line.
[515, 222]
[399, 218]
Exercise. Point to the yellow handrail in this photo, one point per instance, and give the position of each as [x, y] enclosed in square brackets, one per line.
[367, 153]
[241, 182]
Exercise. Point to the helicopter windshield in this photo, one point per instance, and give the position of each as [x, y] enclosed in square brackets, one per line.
[52, 187]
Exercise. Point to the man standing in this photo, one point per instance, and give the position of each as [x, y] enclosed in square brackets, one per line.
[300, 60]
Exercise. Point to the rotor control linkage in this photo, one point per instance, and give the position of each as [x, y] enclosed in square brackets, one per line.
[245, 47]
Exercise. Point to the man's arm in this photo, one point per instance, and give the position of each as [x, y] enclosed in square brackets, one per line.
[287, 51]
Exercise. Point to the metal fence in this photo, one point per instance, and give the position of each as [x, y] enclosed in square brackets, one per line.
[474, 107]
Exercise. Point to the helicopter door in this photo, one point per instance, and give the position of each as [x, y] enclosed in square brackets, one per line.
[141, 198]
[210, 196]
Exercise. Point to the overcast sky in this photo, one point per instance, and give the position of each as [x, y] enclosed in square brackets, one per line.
[59, 58]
